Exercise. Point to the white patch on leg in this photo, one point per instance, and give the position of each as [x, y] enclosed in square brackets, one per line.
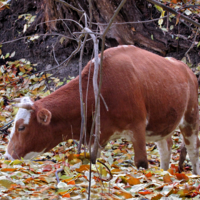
[165, 154]
[22, 114]
[193, 152]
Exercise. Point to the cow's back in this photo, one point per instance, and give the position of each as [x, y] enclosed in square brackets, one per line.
[140, 87]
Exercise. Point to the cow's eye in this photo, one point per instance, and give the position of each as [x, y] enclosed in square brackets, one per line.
[21, 128]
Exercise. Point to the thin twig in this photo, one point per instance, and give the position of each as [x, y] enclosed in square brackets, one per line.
[111, 176]
[53, 20]
[54, 55]
[104, 102]
[81, 92]
[56, 173]
[48, 34]
[90, 11]
[69, 5]
[192, 45]
[138, 22]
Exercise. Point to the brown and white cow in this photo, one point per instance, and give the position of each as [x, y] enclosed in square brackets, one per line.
[147, 96]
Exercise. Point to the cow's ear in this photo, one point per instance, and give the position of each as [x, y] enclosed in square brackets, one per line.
[44, 116]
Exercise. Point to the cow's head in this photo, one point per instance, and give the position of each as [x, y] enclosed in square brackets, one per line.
[31, 133]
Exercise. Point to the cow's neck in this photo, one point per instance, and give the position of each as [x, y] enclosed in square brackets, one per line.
[65, 108]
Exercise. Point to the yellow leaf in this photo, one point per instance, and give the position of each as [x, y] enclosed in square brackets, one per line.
[6, 183]
[167, 178]
[2, 118]
[159, 8]
[17, 162]
[133, 181]
[62, 39]
[116, 171]
[22, 69]
[83, 168]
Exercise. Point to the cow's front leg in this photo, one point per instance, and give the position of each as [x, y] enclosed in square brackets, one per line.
[164, 148]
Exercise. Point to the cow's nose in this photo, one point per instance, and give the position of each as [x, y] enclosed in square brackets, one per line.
[6, 158]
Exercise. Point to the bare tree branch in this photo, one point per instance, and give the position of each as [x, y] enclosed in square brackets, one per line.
[174, 12]
[80, 91]
[69, 5]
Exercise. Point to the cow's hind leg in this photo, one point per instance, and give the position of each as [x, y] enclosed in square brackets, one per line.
[191, 141]
[183, 153]
[164, 148]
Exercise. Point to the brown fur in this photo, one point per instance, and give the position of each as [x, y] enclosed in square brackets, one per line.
[137, 86]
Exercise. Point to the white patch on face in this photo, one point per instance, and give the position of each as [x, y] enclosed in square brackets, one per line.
[8, 156]
[31, 155]
[165, 154]
[22, 114]
[127, 134]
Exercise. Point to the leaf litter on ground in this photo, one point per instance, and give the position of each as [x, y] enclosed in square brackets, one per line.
[22, 179]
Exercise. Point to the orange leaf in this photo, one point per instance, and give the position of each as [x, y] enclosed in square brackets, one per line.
[173, 169]
[181, 177]
[8, 169]
[83, 168]
[149, 174]
[133, 181]
[28, 180]
[66, 195]
[71, 182]
[167, 178]
[67, 179]
[126, 195]
[115, 170]
[47, 168]
[43, 189]
[177, 18]
[51, 172]
[174, 1]
[145, 192]
[73, 156]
